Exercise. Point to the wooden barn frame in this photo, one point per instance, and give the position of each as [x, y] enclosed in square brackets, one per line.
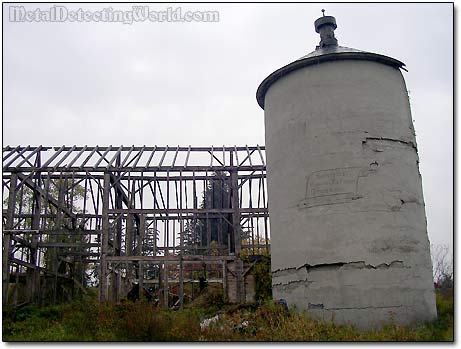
[147, 216]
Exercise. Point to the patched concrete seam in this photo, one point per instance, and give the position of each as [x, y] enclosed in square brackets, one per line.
[315, 306]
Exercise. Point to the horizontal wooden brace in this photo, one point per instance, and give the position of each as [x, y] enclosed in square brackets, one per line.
[169, 258]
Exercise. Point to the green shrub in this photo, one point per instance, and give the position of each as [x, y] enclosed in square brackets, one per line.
[89, 320]
[263, 279]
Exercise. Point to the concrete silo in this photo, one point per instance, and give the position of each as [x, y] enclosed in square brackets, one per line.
[348, 224]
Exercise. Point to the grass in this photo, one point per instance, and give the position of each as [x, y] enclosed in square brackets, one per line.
[87, 320]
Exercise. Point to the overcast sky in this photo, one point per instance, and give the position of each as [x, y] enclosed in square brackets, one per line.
[194, 83]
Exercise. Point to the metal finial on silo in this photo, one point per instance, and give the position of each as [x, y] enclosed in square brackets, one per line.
[325, 26]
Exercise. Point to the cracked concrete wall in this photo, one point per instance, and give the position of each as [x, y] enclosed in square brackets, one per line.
[348, 224]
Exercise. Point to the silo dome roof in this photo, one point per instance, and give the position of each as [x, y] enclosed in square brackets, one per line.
[328, 50]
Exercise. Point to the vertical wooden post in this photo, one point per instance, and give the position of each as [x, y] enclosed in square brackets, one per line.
[237, 238]
[181, 246]
[62, 188]
[166, 242]
[140, 238]
[7, 238]
[129, 243]
[224, 280]
[33, 276]
[181, 266]
[165, 284]
[154, 248]
[116, 278]
[104, 238]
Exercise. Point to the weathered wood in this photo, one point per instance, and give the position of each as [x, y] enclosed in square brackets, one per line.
[237, 236]
[105, 239]
[170, 258]
[117, 243]
[140, 168]
[139, 242]
[165, 283]
[186, 211]
[137, 148]
[183, 177]
[29, 183]
[7, 238]
[26, 159]
[162, 215]
[224, 280]
[67, 244]
[62, 188]
[77, 156]
[16, 157]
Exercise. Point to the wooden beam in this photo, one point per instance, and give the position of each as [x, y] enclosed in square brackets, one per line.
[29, 183]
[7, 238]
[105, 239]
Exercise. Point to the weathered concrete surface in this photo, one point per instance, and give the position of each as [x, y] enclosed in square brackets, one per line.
[348, 225]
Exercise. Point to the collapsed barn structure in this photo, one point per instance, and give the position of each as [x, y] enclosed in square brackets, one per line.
[165, 219]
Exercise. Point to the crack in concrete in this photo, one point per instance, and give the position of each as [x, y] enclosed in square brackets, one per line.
[409, 201]
[293, 282]
[332, 267]
[409, 143]
[284, 269]
[356, 265]
[369, 307]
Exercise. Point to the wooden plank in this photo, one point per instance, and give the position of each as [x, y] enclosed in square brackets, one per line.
[137, 148]
[28, 265]
[187, 211]
[102, 169]
[76, 157]
[185, 177]
[119, 150]
[187, 157]
[261, 155]
[103, 157]
[170, 258]
[211, 161]
[224, 280]
[54, 156]
[139, 155]
[236, 154]
[12, 151]
[17, 156]
[249, 156]
[44, 194]
[175, 156]
[29, 156]
[68, 244]
[88, 157]
[7, 238]
[151, 156]
[127, 156]
[163, 156]
[105, 240]
[64, 158]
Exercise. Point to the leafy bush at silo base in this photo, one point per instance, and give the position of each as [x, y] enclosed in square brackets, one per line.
[141, 321]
